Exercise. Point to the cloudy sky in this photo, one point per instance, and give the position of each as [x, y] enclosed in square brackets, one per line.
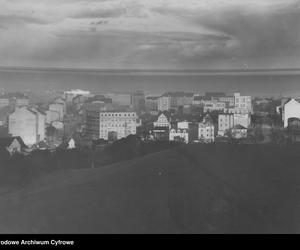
[150, 34]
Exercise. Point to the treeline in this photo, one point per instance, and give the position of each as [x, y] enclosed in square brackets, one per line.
[19, 170]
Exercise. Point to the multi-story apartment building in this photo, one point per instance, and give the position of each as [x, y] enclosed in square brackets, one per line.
[164, 103]
[242, 119]
[58, 108]
[117, 124]
[242, 104]
[225, 122]
[27, 123]
[209, 106]
[206, 132]
[110, 125]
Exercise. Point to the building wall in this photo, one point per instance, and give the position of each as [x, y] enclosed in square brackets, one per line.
[164, 103]
[162, 121]
[213, 106]
[23, 123]
[58, 108]
[291, 110]
[242, 104]
[181, 133]
[206, 132]
[123, 123]
[225, 122]
[242, 119]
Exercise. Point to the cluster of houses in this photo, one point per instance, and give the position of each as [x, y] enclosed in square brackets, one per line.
[204, 131]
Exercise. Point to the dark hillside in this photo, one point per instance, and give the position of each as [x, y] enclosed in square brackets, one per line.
[188, 189]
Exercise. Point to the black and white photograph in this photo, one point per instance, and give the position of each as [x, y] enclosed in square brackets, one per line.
[149, 117]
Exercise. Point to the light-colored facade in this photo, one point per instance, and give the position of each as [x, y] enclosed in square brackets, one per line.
[179, 134]
[291, 109]
[118, 124]
[59, 109]
[164, 103]
[242, 119]
[162, 121]
[183, 125]
[4, 102]
[28, 124]
[225, 122]
[206, 132]
[52, 116]
[242, 104]
[209, 106]
[239, 132]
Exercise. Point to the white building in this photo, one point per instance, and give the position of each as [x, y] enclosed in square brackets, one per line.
[229, 120]
[58, 108]
[183, 125]
[117, 125]
[28, 124]
[164, 103]
[179, 134]
[291, 109]
[162, 121]
[209, 106]
[242, 104]
[206, 132]
[225, 122]
[242, 119]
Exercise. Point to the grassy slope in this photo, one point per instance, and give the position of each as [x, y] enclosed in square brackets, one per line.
[190, 189]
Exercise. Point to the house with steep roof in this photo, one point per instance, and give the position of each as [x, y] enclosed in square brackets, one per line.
[12, 144]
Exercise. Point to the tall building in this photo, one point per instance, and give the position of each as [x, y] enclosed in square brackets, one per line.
[209, 106]
[164, 103]
[110, 125]
[117, 124]
[225, 122]
[69, 95]
[242, 104]
[206, 132]
[27, 123]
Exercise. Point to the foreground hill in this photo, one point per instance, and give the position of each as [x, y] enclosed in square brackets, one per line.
[188, 189]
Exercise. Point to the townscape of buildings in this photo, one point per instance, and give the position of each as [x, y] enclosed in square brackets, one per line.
[78, 117]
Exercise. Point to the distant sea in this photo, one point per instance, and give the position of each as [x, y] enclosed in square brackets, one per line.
[152, 82]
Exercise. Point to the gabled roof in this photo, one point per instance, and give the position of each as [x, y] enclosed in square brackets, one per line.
[166, 113]
[239, 126]
[6, 141]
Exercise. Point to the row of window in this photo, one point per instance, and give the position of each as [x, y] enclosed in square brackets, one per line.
[117, 114]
